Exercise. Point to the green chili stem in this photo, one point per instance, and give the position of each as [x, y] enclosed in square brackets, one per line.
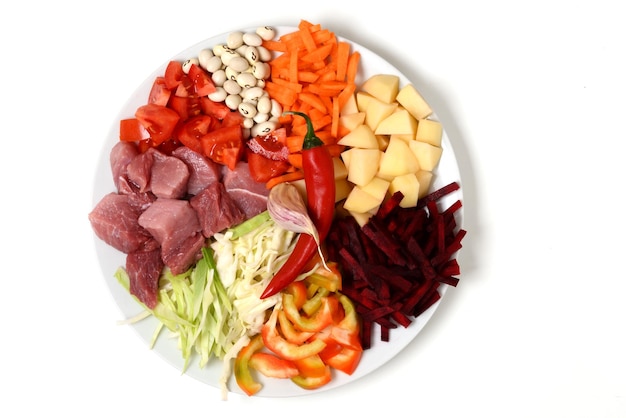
[310, 139]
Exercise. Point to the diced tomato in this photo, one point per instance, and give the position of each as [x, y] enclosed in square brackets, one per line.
[232, 118]
[262, 169]
[186, 107]
[218, 110]
[185, 88]
[202, 82]
[272, 145]
[159, 93]
[273, 366]
[190, 131]
[131, 130]
[224, 145]
[159, 121]
[244, 378]
[173, 74]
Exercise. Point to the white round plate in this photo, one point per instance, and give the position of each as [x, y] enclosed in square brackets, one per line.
[110, 259]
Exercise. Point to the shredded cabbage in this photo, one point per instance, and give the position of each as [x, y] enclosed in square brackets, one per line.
[214, 308]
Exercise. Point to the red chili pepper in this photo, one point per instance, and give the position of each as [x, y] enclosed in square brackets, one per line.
[319, 178]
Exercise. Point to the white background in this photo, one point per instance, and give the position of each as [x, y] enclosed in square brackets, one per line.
[532, 97]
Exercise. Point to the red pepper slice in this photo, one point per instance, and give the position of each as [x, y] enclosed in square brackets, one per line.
[242, 369]
[272, 366]
[319, 179]
[285, 349]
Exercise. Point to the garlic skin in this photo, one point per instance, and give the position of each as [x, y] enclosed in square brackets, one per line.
[287, 208]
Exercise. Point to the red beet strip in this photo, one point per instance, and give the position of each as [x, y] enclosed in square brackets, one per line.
[394, 265]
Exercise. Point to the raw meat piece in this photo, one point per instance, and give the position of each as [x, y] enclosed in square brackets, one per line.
[121, 154]
[250, 196]
[115, 220]
[174, 225]
[169, 177]
[216, 209]
[144, 269]
[202, 171]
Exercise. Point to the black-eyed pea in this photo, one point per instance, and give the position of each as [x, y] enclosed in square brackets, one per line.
[266, 32]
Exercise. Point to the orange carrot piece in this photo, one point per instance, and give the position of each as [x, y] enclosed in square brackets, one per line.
[313, 100]
[294, 143]
[343, 54]
[276, 46]
[317, 55]
[334, 127]
[289, 176]
[307, 76]
[293, 66]
[284, 96]
[295, 159]
[307, 39]
[345, 94]
[353, 67]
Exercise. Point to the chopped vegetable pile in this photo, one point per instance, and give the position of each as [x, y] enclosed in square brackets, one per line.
[295, 291]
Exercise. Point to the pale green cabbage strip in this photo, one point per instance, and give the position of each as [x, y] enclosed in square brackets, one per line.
[214, 308]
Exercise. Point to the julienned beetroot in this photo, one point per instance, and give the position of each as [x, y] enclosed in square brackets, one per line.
[393, 266]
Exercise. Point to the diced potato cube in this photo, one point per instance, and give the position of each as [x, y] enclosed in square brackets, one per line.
[363, 165]
[399, 122]
[425, 178]
[427, 155]
[382, 86]
[378, 110]
[413, 101]
[341, 172]
[430, 131]
[361, 218]
[409, 186]
[342, 189]
[361, 137]
[351, 121]
[377, 187]
[363, 100]
[360, 201]
[397, 160]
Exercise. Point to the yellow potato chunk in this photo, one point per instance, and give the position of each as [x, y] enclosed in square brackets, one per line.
[363, 165]
[352, 120]
[382, 86]
[429, 131]
[361, 136]
[360, 201]
[397, 160]
[409, 186]
[399, 122]
[427, 155]
[378, 110]
[413, 101]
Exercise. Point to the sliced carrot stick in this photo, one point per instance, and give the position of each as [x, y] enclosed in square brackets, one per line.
[343, 54]
[307, 39]
[353, 67]
[313, 100]
[290, 176]
[295, 159]
[318, 54]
